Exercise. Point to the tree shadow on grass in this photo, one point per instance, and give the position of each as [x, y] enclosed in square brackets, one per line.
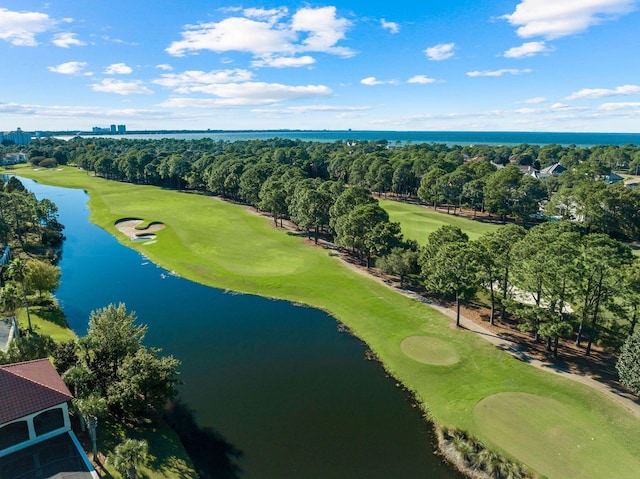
[50, 313]
[212, 455]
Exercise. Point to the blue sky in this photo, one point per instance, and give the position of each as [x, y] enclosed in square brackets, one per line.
[514, 65]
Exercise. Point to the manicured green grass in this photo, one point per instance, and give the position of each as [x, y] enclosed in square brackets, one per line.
[47, 320]
[417, 222]
[564, 437]
[223, 245]
[428, 350]
[167, 457]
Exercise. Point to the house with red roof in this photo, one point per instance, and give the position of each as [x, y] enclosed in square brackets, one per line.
[36, 441]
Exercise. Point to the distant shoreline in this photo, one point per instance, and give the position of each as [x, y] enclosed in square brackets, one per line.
[461, 138]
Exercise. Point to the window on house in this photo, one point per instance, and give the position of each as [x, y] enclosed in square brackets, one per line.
[13, 434]
[48, 421]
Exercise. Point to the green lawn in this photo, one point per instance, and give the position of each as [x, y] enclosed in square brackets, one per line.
[418, 221]
[167, 457]
[223, 245]
[46, 320]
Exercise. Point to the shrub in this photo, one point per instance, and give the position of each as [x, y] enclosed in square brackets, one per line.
[48, 163]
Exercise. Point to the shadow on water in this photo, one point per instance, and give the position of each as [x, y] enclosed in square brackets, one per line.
[212, 455]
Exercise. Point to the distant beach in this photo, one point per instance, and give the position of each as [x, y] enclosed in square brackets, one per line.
[462, 138]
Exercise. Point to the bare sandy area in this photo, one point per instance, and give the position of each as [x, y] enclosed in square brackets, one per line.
[129, 227]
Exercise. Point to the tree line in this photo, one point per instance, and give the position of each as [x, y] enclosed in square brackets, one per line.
[30, 237]
[491, 179]
[326, 189]
[27, 224]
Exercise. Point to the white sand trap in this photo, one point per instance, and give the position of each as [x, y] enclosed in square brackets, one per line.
[129, 227]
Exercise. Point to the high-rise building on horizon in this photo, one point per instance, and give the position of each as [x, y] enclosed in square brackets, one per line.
[17, 137]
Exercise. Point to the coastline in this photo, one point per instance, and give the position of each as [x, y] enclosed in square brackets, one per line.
[393, 138]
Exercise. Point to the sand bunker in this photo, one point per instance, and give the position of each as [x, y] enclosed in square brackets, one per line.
[130, 227]
[428, 350]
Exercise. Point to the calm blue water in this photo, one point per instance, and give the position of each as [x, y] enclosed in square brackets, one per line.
[402, 137]
[278, 381]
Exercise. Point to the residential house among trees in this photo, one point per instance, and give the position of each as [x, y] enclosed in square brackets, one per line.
[13, 159]
[35, 430]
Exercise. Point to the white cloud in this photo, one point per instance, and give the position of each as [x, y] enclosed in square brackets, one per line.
[265, 34]
[75, 112]
[193, 80]
[442, 51]
[393, 27]
[21, 28]
[118, 69]
[554, 19]
[535, 100]
[65, 40]
[313, 108]
[164, 66]
[272, 15]
[70, 68]
[498, 73]
[284, 62]
[371, 81]
[527, 49]
[247, 94]
[324, 30]
[602, 92]
[614, 106]
[111, 85]
[233, 34]
[422, 79]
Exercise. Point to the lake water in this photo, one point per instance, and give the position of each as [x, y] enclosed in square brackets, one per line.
[279, 382]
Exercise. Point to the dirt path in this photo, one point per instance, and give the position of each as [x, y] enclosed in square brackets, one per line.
[622, 397]
[627, 400]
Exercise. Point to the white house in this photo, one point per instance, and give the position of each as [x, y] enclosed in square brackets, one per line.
[36, 440]
[13, 159]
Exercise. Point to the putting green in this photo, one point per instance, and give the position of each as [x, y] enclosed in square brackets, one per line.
[549, 436]
[428, 350]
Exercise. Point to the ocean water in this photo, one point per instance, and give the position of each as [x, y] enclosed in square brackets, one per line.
[461, 138]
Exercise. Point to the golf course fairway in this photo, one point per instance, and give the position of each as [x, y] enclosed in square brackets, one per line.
[559, 428]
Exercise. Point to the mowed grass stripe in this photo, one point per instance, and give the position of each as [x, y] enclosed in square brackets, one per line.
[417, 221]
[216, 243]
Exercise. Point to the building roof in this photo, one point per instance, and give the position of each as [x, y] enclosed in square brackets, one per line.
[29, 387]
[613, 178]
[554, 169]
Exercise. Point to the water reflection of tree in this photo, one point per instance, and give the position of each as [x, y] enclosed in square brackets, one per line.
[212, 455]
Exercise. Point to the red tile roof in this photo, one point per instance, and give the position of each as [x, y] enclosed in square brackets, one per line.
[29, 387]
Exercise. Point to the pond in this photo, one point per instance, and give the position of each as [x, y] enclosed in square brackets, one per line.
[280, 382]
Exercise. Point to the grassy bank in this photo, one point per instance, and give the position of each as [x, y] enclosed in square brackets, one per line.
[558, 427]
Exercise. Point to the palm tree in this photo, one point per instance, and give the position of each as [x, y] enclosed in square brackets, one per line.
[9, 298]
[17, 270]
[78, 377]
[91, 408]
[128, 456]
